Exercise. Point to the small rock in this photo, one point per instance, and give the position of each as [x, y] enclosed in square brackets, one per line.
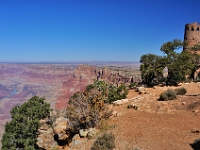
[135, 107]
[180, 84]
[139, 89]
[83, 132]
[132, 105]
[196, 111]
[114, 114]
[183, 103]
[129, 106]
[42, 121]
[195, 131]
[92, 132]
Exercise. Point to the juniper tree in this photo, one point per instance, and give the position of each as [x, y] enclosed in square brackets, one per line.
[178, 64]
[21, 132]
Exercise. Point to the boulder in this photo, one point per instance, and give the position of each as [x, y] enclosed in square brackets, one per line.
[45, 138]
[60, 126]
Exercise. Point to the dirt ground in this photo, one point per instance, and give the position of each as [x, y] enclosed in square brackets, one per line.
[158, 125]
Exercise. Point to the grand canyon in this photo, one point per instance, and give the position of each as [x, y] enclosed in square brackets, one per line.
[154, 125]
[56, 82]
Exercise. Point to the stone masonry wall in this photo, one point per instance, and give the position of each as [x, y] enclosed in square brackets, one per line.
[192, 34]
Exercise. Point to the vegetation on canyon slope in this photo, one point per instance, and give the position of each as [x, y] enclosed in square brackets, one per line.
[21, 131]
[87, 108]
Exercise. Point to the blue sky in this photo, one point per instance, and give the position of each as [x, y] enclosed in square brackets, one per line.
[85, 30]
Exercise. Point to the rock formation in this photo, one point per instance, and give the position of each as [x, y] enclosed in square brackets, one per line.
[46, 137]
[59, 135]
[57, 83]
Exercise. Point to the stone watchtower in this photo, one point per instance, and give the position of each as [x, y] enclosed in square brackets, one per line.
[192, 34]
[192, 37]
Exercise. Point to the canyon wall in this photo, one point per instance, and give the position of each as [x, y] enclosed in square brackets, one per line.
[57, 83]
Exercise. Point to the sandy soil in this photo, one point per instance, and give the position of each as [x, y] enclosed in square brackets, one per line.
[158, 125]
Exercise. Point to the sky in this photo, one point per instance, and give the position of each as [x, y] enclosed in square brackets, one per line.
[90, 30]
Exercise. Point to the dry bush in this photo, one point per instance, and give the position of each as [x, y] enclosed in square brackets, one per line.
[180, 91]
[193, 105]
[168, 95]
[84, 110]
[104, 142]
[87, 108]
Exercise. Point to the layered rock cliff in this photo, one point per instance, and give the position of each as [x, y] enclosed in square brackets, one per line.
[57, 83]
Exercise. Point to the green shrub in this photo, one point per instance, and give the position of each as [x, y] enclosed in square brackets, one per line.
[116, 93]
[132, 85]
[180, 91]
[22, 131]
[168, 95]
[104, 142]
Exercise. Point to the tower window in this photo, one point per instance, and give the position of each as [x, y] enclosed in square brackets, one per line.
[198, 29]
[192, 29]
[188, 28]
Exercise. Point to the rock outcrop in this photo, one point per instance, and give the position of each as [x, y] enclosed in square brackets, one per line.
[61, 128]
[120, 102]
[55, 135]
[46, 136]
[57, 82]
[59, 135]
